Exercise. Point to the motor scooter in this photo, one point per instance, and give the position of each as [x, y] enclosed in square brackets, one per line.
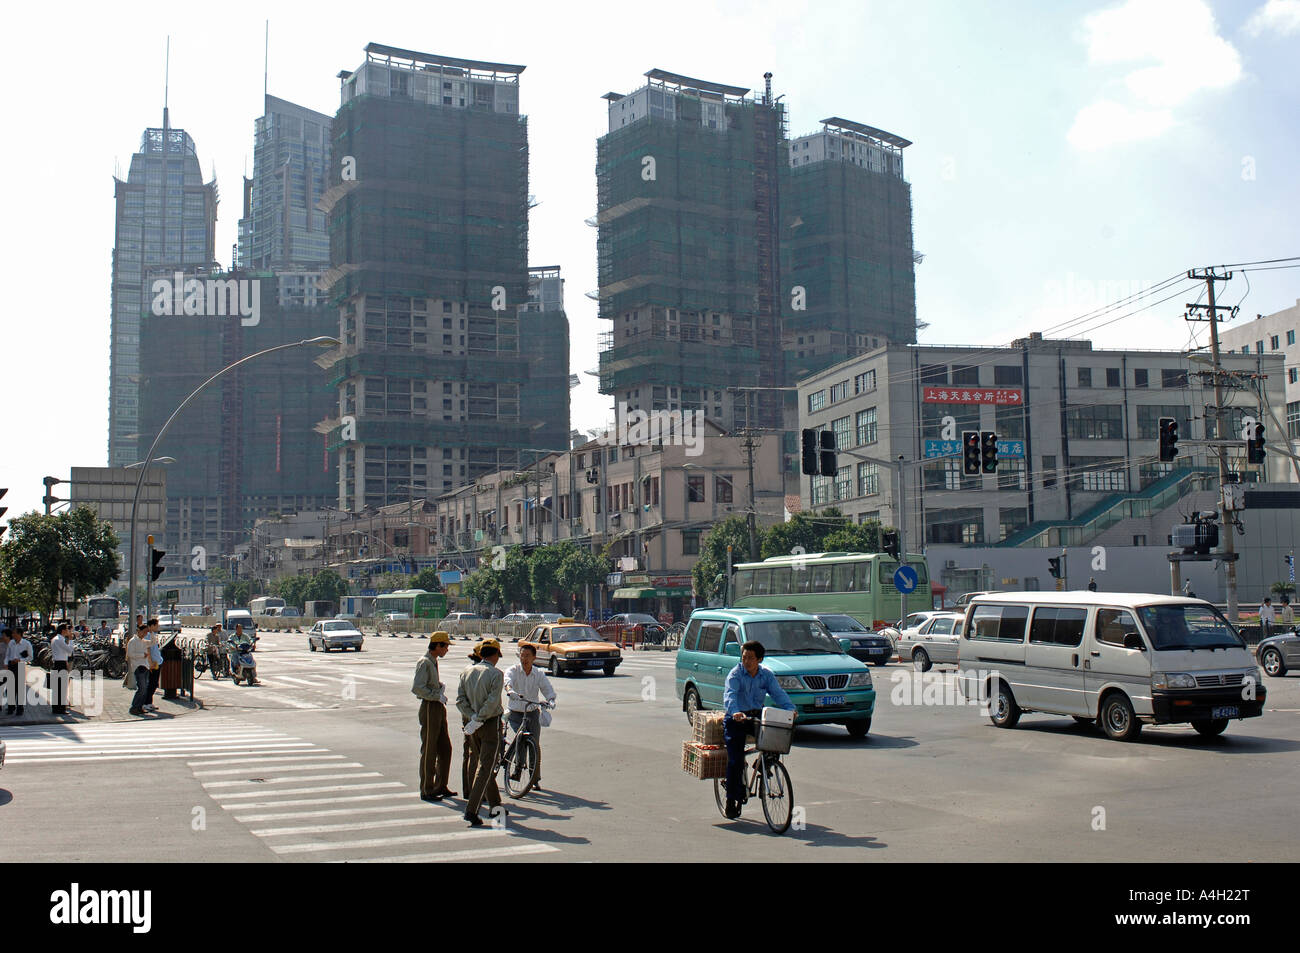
[242, 665]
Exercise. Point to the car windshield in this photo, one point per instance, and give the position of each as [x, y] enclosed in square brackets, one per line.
[575, 633]
[793, 637]
[842, 623]
[337, 626]
[640, 619]
[1188, 626]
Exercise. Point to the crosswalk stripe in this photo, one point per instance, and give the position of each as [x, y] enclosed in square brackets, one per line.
[176, 748]
[387, 841]
[142, 742]
[481, 853]
[304, 681]
[279, 767]
[303, 802]
[293, 757]
[312, 790]
[354, 826]
[310, 777]
[360, 809]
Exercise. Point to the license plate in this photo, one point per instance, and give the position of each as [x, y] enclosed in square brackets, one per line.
[823, 700]
[595, 663]
[877, 651]
[1225, 711]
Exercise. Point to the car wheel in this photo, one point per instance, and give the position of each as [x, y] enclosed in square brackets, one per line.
[311, 645]
[1210, 727]
[1117, 718]
[554, 666]
[859, 729]
[1003, 710]
[1271, 660]
[609, 669]
[881, 663]
[692, 704]
[921, 661]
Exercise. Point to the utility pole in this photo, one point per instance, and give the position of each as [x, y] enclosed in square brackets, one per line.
[748, 443]
[902, 532]
[1209, 277]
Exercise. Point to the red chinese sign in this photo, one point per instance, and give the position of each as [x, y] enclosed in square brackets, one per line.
[959, 395]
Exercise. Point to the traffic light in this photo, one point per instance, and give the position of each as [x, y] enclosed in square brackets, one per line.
[989, 451]
[1255, 448]
[970, 446]
[810, 452]
[1054, 566]
[1168, 439]
[829, 467]
[156, 558]
[50, 499]
[3, 509]
[889, 543]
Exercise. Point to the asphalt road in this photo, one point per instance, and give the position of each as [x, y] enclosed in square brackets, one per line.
[318, 764]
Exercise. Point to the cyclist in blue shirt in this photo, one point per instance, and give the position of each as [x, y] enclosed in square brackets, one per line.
[743, 697]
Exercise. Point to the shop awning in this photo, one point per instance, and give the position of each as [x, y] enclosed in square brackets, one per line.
[634, 593]
[674, 592]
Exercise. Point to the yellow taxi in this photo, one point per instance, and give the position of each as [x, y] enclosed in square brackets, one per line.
[571, 647]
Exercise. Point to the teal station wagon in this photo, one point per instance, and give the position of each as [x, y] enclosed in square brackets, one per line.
[827, 685]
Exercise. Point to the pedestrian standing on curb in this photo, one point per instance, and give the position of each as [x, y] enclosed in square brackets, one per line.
[5, 637]
[478, 699]
[155, 663]
[60, 652]
[525, 683]
[435, 738]
[137, 662]
[1092, 583]
[17, 656]
[1266, 618]
[1285, 614]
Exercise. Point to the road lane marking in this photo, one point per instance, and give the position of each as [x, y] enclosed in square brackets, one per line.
[482, 853]
[303, 802]
[310, 777]
[312, 790]
[312, 848]
[280, 767]
[421, 806]
[355, 826]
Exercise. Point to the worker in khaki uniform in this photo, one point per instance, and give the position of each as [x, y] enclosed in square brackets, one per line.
[435, 739]
[478, 698]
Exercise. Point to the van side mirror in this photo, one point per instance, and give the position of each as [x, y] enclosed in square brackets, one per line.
[732, 649]
[845, 645]
[1133, 641]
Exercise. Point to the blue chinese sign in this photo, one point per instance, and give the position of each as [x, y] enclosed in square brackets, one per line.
[1007, 449]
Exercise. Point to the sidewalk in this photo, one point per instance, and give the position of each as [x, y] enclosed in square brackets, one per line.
[94, 700]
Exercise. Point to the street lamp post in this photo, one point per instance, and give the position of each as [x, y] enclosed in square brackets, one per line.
[322, 341]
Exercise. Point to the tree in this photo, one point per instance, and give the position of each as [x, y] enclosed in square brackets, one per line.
[854, 538]
[544, 574]
[581, 568]
[483, 587]
[734, 530]
[1282, 588]
[428, 580]
[802, 533]
[292, 589]
[326, 586]
[516, 581]
[63, 557]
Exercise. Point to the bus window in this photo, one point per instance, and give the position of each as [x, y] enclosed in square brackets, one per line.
[862, 577]
[781, 580]
[800, 580]
[842, 577]
[821, 581]
[762, 582]
[744, 583]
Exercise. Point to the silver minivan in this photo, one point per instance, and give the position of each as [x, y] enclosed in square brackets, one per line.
[1120, 660]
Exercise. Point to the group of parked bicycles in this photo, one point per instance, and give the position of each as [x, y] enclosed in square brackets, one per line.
[90, 653]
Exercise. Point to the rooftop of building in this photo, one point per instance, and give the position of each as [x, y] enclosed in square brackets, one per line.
[413, 60]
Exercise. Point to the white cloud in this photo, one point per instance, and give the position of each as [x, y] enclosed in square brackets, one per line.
[1281, 17]
[1176, 51]
[1103, 124]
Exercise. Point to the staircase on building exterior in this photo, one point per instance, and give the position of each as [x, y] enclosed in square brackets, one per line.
[1112, 509]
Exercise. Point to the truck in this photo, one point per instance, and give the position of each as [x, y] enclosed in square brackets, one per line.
[319, 609]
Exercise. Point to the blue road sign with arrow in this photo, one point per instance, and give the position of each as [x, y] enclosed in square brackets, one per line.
[905, 579]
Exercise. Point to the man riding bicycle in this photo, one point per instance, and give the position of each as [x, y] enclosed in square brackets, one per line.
[746, 690]
[525, 684]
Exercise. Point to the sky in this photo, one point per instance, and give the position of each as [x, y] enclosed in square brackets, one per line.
[1065, 155]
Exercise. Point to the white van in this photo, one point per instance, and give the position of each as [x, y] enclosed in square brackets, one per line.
[1117, 659]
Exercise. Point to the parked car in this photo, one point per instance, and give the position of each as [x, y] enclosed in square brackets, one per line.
[1279, 653]
[289, 612]
[935, 640]
[533, 617]
[825, 684]
[168, 622]
[334, 634]
[644, 628]
[463, 617]
[572, 647]
[552, 616]
[964, 599]
[864, 644]
[397, 617]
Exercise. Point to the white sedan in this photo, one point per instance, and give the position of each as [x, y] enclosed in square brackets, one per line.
[334, 634]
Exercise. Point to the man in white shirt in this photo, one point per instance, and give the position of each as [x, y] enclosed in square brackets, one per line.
[137, 661]
[17, 657]
[525, 683]
[1266, 618]
[60, 652]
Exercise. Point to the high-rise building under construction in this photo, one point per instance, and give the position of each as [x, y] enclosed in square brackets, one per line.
[428, 219]
[732, 260]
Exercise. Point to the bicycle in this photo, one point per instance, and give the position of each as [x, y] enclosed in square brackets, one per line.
[521, 756]
[766, 778]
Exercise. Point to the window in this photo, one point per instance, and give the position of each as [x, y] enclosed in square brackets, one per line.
[840, 427]
[965, 375]
[1148, 420]
[821, 488]
[866, 425]
[1007, 374]
[1011, 474]
[1293, 419]
[722, 489]
[1113, 624]
[1011, 520]
[690, 542]
[1290, 375]
[1272, 343]
[694, 489]
[1049, 472]
[710, 637]
[816, 401]
[1259, 347]
[934, 374]
[1085, 377]
[1099, 474]
[1009, 422]
[868, 479]
[1173, 377]
[1112, 377]
[843, 483]
[1095, 422]
[1290, 337]
[691, 636]
[1057, 626]
[1140, 377]
[839, 391]
[866, 381]
[998, 623]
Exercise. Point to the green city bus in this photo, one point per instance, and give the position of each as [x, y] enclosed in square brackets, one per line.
[856, 584]
[416, 603]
